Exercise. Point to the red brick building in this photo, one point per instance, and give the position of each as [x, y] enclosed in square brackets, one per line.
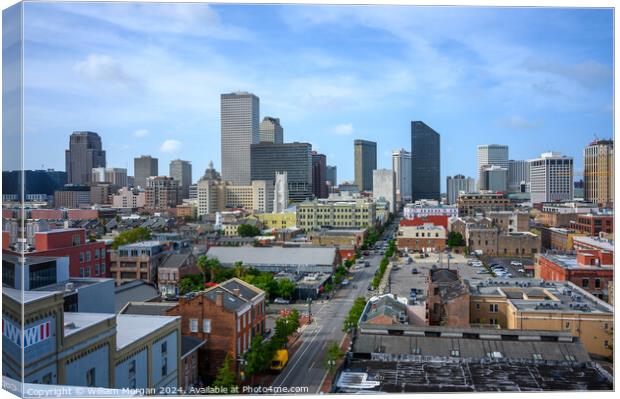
[447, 302]
[592, 224]
[46, 214]
[227, 316]
[86, 259]
[590, 270]
[437, 220]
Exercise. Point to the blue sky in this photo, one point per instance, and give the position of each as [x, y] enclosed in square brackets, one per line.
[147, 78]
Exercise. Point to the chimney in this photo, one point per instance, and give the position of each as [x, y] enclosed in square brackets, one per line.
[237, 292]
[219, 298]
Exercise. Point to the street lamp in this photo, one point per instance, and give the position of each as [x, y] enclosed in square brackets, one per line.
[309, 300]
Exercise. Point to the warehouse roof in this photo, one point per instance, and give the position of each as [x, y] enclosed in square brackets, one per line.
[131, 328]
[273, 255]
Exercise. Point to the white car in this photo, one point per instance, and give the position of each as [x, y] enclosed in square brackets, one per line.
[516, 263]
[521, 270]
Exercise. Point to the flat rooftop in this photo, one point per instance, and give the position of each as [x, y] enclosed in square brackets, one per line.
[131, 328]
[26, 296]
[540, 295]
[77, 282]
[142, 244]
[598, 243]
[79, 321]
[273, 255]
[570, 262]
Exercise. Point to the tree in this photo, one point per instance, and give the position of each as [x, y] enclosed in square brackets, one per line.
[239, 269]
[292, 322]
[285, 288]
[226, 378]
[247, 230]
[334, 353]
[354, 314]
[258, 356]
[209, 265]
[191, 283]
[455, 239]
[130, 236]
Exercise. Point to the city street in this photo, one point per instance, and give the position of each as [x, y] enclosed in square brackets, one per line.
[305, 368]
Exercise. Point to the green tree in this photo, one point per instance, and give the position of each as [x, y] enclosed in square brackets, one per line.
[191, 283]
[240, 270]
[210, 266]
[334, 353]
[354, 314]
[285, 288]
[258, 357]
[455, 239]
[247, 230]
[225, 378]
[292, 322]
[280, 335]
[130, 236]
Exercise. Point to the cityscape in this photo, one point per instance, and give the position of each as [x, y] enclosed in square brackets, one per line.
[259, 260]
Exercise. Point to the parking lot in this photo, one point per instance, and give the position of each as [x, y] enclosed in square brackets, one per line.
[514, 270]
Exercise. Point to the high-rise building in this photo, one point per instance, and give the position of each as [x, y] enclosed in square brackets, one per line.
[35, 181]
[144, 167]
[457, 184]
[182, 172]
[211, 192]
[162, 192]
[319, 175]
[294, 158]
[384, 186]
[551, 178]
[425, 162]
[365, 162]
[115, 176]
[280, 192]
[257, 197]
[518, 176]
[271, 131]
[598, 173]
[401, 165]
[85, 153]
[491, 154]
[494, 178]
[240, 129]
[332, 175]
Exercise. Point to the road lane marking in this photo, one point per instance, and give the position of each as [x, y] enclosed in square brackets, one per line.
[308, 344]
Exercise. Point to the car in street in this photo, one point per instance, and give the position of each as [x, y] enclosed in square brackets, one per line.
[521, 270]
[414, 271]
[365, 253]
[345, 282]
[369, 287]
[482, 272]
[281, 301]
[516, 263]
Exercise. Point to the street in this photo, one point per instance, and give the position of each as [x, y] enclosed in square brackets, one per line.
[305, 368]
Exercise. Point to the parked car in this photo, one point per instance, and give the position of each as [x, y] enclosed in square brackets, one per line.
[281, 301]
[414, 271]
[345, 282]
[521, 270]
[516, 263]
[369, 287]
[366, 253]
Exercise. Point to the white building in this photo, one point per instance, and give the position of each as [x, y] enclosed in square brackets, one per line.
[129, 198]
[114, 176]
[384, 186]
[551, 178]
[423, 208]
[401, 165]
[280, 192]
[457, 184]
[491, 154]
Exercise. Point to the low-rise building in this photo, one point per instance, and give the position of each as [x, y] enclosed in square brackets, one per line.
[424, 208]
[278, 259]
[137, 261]
[447, 300]
[336, 214]
[557, 238]
[595, 243]
[594, 223]
[72, 196]
[590, 270]
[492, 242]
[533, 304]
[281, 220]
[424, 238]
[172, 269]
[510, 221]
[337, 237]
[473, 203]
[437, 220]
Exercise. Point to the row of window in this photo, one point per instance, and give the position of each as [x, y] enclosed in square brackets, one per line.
[100, 269]
[493, 307]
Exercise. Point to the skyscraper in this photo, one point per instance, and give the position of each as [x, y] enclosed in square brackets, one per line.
[271, 131]
[425, 162]
[240, 129]
[115, 176]
[182, 172]
[143, 168]
[456, 184]
[280, 193]
[518, 176]
[401, 165]
[365, 162]
[319, 175]
[162, 192]
[332, 175]
[85, 153]
[384, 187]
[598, 173]
[491, 154]
[294, 158]
[494, 178]
[551, 178]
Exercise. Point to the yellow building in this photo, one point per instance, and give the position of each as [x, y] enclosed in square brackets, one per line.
[532, 304]
[280, 220]
[337, 214]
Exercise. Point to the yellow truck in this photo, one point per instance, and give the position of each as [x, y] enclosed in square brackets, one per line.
[280, 358]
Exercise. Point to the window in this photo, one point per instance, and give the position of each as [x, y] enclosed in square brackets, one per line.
[606, 344]
[206, 325]
[193, 325]
[597, 283]
[477, 306]
[47, 379]
[570, 358]
[164, 348]
[131, 370]
[537, 356]
[585, 283]
[81, 257]
[96, 253]
[567, 325]
[102, 268]
[164, 366]
[455, 353]
[494, 308]
[87, 256]
[90, 377]
[495, 355]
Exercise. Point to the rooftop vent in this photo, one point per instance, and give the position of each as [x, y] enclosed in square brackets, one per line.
[69, 286]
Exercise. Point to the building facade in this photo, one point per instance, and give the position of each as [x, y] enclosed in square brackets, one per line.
[332, 176]
[72, 196]
[470, 204]
[493, 178]
[425, 238]
[271, 131]
[491, 154]
[401, 165]
[318, 214]
[319, 175]
[137, 261]
[181, 171]
[85, 153]
[115, 176]
[425, 162]
[131, 198]
[162, 192]
[365, 156]
[551, 178]
[598, 174]
[239, 116]
[384, 186]
[457, 184]
[518, 176]
[280, 192]
[144, 167]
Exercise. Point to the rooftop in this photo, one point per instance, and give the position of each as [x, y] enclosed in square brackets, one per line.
[26, 296]
[175, 261]
[77, 282]
[135, 291]
[190, 344]
[570, 262]
[148, 308]
[76, 322]
[246, 291]
[141, 244]
[273, 255]
[230, 301]
[596, 242]
[131, 328]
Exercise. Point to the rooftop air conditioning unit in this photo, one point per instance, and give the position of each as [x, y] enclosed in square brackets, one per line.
[69, 287]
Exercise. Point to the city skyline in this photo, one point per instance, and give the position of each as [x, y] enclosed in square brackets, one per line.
[483, 101]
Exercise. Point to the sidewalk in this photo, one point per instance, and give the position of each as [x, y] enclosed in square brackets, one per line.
[328, 381]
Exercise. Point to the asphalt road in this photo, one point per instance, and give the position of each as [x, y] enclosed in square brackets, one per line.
[306, 367]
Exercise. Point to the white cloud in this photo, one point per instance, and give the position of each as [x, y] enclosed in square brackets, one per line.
[170, 146]
[141, 133]
[343, 129]
[519, 123]
[103, 68]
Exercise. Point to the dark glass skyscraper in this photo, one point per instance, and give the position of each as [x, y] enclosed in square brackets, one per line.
[85, 153]
[365, 163]
[425, 162]
[319, 175]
